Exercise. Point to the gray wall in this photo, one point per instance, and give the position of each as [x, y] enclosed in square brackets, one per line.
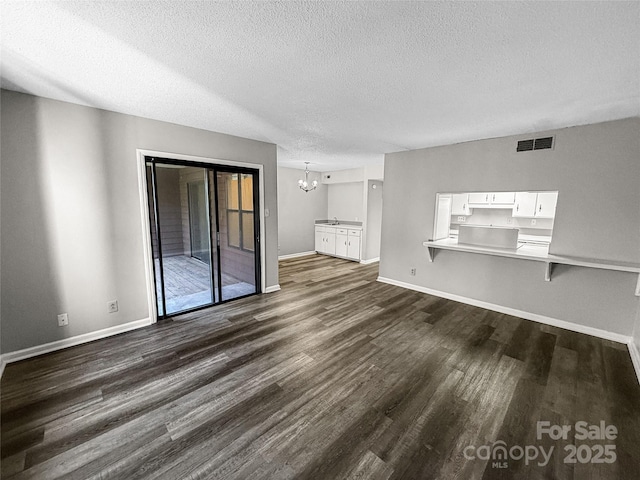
[346, 201]
[297, 211]
[595, 168]
[636, 331]
[374, 219]
[71, 224]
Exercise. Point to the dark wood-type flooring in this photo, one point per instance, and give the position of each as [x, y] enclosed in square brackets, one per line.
[335, 376]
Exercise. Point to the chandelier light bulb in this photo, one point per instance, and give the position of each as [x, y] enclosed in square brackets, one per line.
[304, 184]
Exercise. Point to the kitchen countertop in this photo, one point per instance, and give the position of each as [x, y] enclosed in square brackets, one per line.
[527, 251]
[539, 253]
[339, 225]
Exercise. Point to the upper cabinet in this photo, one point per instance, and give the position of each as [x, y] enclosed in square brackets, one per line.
[525, 204]
[503, 198]
[460, 204]
[546, 204]
[491, 200]
[535, 205]
[479, 199]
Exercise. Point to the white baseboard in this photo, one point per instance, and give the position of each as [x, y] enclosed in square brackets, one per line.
[272, 288]
[371, 260]
[70, 342]
[575, 327]
[296, 255]
[635, 357]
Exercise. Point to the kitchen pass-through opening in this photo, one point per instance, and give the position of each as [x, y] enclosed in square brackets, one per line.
[204, 227]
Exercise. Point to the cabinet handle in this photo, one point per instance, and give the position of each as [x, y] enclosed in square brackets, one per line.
[486, 199]
[494, 198]
[518, 208]
[540, 209]
[464, 205]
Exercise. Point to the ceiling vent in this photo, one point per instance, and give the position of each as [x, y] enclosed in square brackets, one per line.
[543, 143]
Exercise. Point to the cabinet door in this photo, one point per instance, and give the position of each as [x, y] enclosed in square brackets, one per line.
[330, 242]
[353, 247]
[460, 204]
[479, 198]
[503, 198]
[525, 204]
[341, 244]
[546, 204]
[319, 239]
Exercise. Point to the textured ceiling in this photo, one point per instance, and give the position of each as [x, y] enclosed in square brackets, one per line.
[337, 84]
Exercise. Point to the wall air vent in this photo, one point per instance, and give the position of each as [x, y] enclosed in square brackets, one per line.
[535, 144]
[525, 145]
[543, 143]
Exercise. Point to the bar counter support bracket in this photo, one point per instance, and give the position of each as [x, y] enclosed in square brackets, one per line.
[548, 271]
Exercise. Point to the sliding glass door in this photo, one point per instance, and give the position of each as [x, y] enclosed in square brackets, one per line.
[203, 233]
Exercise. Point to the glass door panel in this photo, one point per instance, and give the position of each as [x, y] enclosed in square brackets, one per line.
[236, 226]
[184, 235]
[155, 248]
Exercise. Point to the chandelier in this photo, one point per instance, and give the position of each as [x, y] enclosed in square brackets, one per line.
[304, 184]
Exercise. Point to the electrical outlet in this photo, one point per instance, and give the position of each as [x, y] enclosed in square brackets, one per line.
[63, 320]
[413, 271]
[462, 219]
[533, 221]
[112, 306]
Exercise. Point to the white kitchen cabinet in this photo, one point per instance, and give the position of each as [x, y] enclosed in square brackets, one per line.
[546, 204]
[326, 240]
[353, 244]
[503, 198]
[342, 240]
[535, 205]
[491, 200]
[525, 204]
[338, 241]
[319, 239]
[478, 199]
[460, 204]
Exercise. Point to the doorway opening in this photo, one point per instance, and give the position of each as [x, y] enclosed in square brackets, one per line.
[204, 230]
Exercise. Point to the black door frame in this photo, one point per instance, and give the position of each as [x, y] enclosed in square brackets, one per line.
[214, 229]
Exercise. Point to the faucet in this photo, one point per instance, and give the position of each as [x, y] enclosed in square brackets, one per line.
[335, 221]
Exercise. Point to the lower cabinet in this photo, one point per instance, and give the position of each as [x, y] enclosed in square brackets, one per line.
[326, 240]
[341, 242]
[353, 244]
[338, 241]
